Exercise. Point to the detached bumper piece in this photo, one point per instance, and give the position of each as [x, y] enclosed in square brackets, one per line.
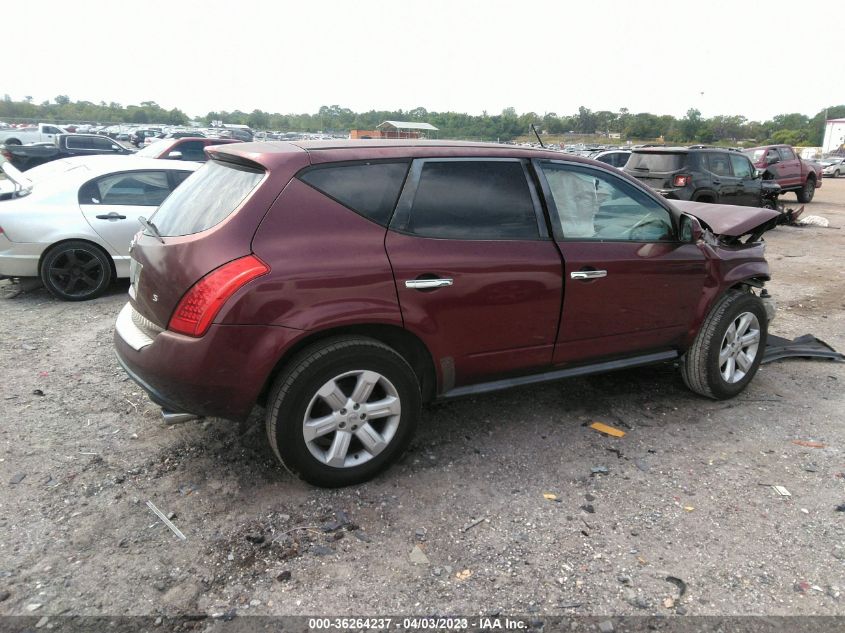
[807, 346]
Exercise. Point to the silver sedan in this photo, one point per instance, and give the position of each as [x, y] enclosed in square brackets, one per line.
[73, 225]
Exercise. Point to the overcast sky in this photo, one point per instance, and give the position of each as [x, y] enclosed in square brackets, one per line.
[722, 57]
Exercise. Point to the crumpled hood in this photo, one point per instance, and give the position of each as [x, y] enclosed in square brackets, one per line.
[727, 219]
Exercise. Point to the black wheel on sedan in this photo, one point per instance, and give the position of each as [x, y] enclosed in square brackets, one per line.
[76, 271]
[343, 410]
[729, 347]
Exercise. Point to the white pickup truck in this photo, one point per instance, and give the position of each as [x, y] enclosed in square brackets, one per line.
[42, 133]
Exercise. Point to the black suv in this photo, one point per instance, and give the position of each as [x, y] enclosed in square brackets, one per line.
[702, 175]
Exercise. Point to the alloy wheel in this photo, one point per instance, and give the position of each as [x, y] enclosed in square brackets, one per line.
[739, 347]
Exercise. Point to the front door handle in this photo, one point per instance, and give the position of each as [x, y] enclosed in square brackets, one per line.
[111, 216]
[588, 274]
[423, 284]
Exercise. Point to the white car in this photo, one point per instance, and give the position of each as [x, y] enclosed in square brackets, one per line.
[832, 166]
[74, 227]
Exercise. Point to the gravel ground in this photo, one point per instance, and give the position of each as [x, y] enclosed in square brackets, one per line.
[505, 503]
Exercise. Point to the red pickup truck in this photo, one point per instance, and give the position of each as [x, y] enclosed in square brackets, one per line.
[787, 169]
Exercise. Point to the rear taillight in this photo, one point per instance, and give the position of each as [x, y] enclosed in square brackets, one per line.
[681, 180]
[203, 301]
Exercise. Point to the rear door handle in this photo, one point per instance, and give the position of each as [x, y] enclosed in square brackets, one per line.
[111, 216]
[423, 284]
[588, 274]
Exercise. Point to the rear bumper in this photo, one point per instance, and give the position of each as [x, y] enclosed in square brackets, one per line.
[220, 374]
[19, 259]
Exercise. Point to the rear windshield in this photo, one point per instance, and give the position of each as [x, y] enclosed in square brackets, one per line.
[205, 199]
[655, 162]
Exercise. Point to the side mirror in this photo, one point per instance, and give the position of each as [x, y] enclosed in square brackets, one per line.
[175, 155]
[691, 230]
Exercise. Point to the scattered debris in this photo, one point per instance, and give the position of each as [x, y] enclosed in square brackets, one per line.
[420, 533]
[42, 622]
[806, 346]
[166, 521]
[810, 468]
[808, 444]
[588, 508]
[813, 220]
[606, 626]
[284, 576]
[607, 430]
[689, 508]
[463, 575]
[471, 525]
[37, 392]
[34, 606]
[17, 478]
[668, 602]
[322, 550]
[362, 536]
[783, 492]
[680, 584]
[840, 507]
[4, 595]
[417, 556]
[599, 470]
[642, 465]
[255, 539]
[332, 526]
[549, 496]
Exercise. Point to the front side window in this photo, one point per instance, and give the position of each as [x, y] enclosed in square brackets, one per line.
[137, 188]
[592, 205]
[472, 200]
[786, 153]
[741, 166]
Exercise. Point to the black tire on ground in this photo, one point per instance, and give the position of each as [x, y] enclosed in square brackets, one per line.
[76, 271]
[701, 367]
[806, 193]
[836, 174]
[11, 141]
[341, 366]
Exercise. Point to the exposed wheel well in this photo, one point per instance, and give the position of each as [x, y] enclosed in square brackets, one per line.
[409, 346]
[705, 197]
[94, 244]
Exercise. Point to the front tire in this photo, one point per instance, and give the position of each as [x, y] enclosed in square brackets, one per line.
[806, 193]
[729, 347]
[76, 271]
[343, 411]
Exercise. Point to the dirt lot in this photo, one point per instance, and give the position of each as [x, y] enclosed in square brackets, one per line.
[686, 493]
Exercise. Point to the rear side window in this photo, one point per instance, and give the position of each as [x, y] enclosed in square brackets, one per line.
[137, 188]
[79, 142]
[369, 189]
[205, 199]
[653, 161]
[472, 200]
[719, 164]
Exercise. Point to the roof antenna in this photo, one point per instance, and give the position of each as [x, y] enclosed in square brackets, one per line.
[534, 129]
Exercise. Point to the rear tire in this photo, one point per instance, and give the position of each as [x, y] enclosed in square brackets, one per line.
[729, 347]
[76, 271]
[11, 141]
[343, 410]
[806, 193]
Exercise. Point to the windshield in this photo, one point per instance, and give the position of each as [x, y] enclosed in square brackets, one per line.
[655, 161]
[206, 198]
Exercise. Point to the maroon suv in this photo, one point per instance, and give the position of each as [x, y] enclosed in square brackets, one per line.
[342, 284]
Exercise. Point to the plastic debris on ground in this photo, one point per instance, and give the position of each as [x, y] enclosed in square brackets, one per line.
[783, 492]
[607, 430]
[806, 346]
